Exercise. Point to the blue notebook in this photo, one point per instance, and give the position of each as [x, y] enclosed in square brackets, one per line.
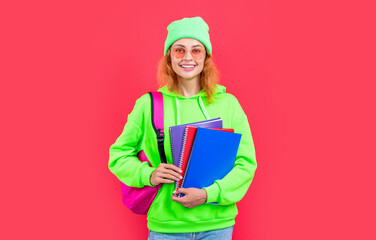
[212, 157]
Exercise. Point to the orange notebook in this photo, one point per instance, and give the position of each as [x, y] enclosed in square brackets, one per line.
[189, 136]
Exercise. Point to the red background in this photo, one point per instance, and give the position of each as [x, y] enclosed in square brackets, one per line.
[304, 72]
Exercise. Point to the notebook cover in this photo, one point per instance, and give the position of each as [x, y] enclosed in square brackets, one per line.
[212, 156]
[189, 136]
[177, 134]
[223, 129]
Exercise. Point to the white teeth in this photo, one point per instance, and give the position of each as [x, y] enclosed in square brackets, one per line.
[187, 66]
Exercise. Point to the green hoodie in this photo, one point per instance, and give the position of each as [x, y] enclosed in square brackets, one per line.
[138, 134]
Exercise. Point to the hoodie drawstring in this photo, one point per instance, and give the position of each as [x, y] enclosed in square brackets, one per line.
[177, 111]
[201, 105]
[203, 109]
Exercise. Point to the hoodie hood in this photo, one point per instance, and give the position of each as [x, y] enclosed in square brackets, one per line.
[202, 94]
[220, 89]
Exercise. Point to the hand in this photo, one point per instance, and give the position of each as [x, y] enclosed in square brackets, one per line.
[165, 173]
[193, 197]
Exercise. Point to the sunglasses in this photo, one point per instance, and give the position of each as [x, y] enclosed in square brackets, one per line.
[180, 52]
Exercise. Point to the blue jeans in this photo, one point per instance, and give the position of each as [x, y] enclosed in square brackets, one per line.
[220, 234]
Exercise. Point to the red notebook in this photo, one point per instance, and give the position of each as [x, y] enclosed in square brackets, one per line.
[189, 136]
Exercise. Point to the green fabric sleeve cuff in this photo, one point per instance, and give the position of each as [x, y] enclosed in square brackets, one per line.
[146, 174]
[212, 193]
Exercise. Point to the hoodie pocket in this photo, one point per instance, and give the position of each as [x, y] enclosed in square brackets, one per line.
[156, 202]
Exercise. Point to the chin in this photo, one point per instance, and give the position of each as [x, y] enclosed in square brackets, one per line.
[188, 77]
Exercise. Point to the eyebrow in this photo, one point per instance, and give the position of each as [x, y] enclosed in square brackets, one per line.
[184, 46]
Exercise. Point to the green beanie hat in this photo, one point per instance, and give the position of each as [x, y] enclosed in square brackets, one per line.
[194, 27]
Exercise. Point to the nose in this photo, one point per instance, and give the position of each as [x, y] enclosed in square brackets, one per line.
[187, 55]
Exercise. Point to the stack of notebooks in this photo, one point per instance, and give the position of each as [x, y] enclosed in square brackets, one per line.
[204, 151]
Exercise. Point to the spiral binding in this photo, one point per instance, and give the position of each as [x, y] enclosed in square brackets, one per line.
[182, 153]
[183, 146]
[189, 160]
[172, 142]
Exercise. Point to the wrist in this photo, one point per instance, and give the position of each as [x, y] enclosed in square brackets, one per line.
[151, 179]
[205, 195]
[146, 176]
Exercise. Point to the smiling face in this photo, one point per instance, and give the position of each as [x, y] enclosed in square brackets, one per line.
[187, 58]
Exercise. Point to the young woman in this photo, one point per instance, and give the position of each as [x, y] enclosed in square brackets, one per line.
[190, 94]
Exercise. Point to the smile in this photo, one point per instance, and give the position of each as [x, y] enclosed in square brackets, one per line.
[187, 67]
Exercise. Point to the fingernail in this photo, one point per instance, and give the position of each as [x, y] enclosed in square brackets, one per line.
[174, 192]
[180, 177]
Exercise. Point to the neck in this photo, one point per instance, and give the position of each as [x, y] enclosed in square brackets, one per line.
[189, 87]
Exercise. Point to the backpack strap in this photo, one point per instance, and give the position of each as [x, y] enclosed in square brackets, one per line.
[157, 121]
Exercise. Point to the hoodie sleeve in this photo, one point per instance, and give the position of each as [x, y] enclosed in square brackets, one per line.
[123, 161]
[235, 184]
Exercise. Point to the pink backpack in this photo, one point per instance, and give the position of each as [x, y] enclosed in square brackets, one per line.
[138, 200]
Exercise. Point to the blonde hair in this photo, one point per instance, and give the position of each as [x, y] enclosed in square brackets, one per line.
[208, 77]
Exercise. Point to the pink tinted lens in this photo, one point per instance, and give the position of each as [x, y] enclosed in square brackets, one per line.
[178, 52]
[196, 53]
